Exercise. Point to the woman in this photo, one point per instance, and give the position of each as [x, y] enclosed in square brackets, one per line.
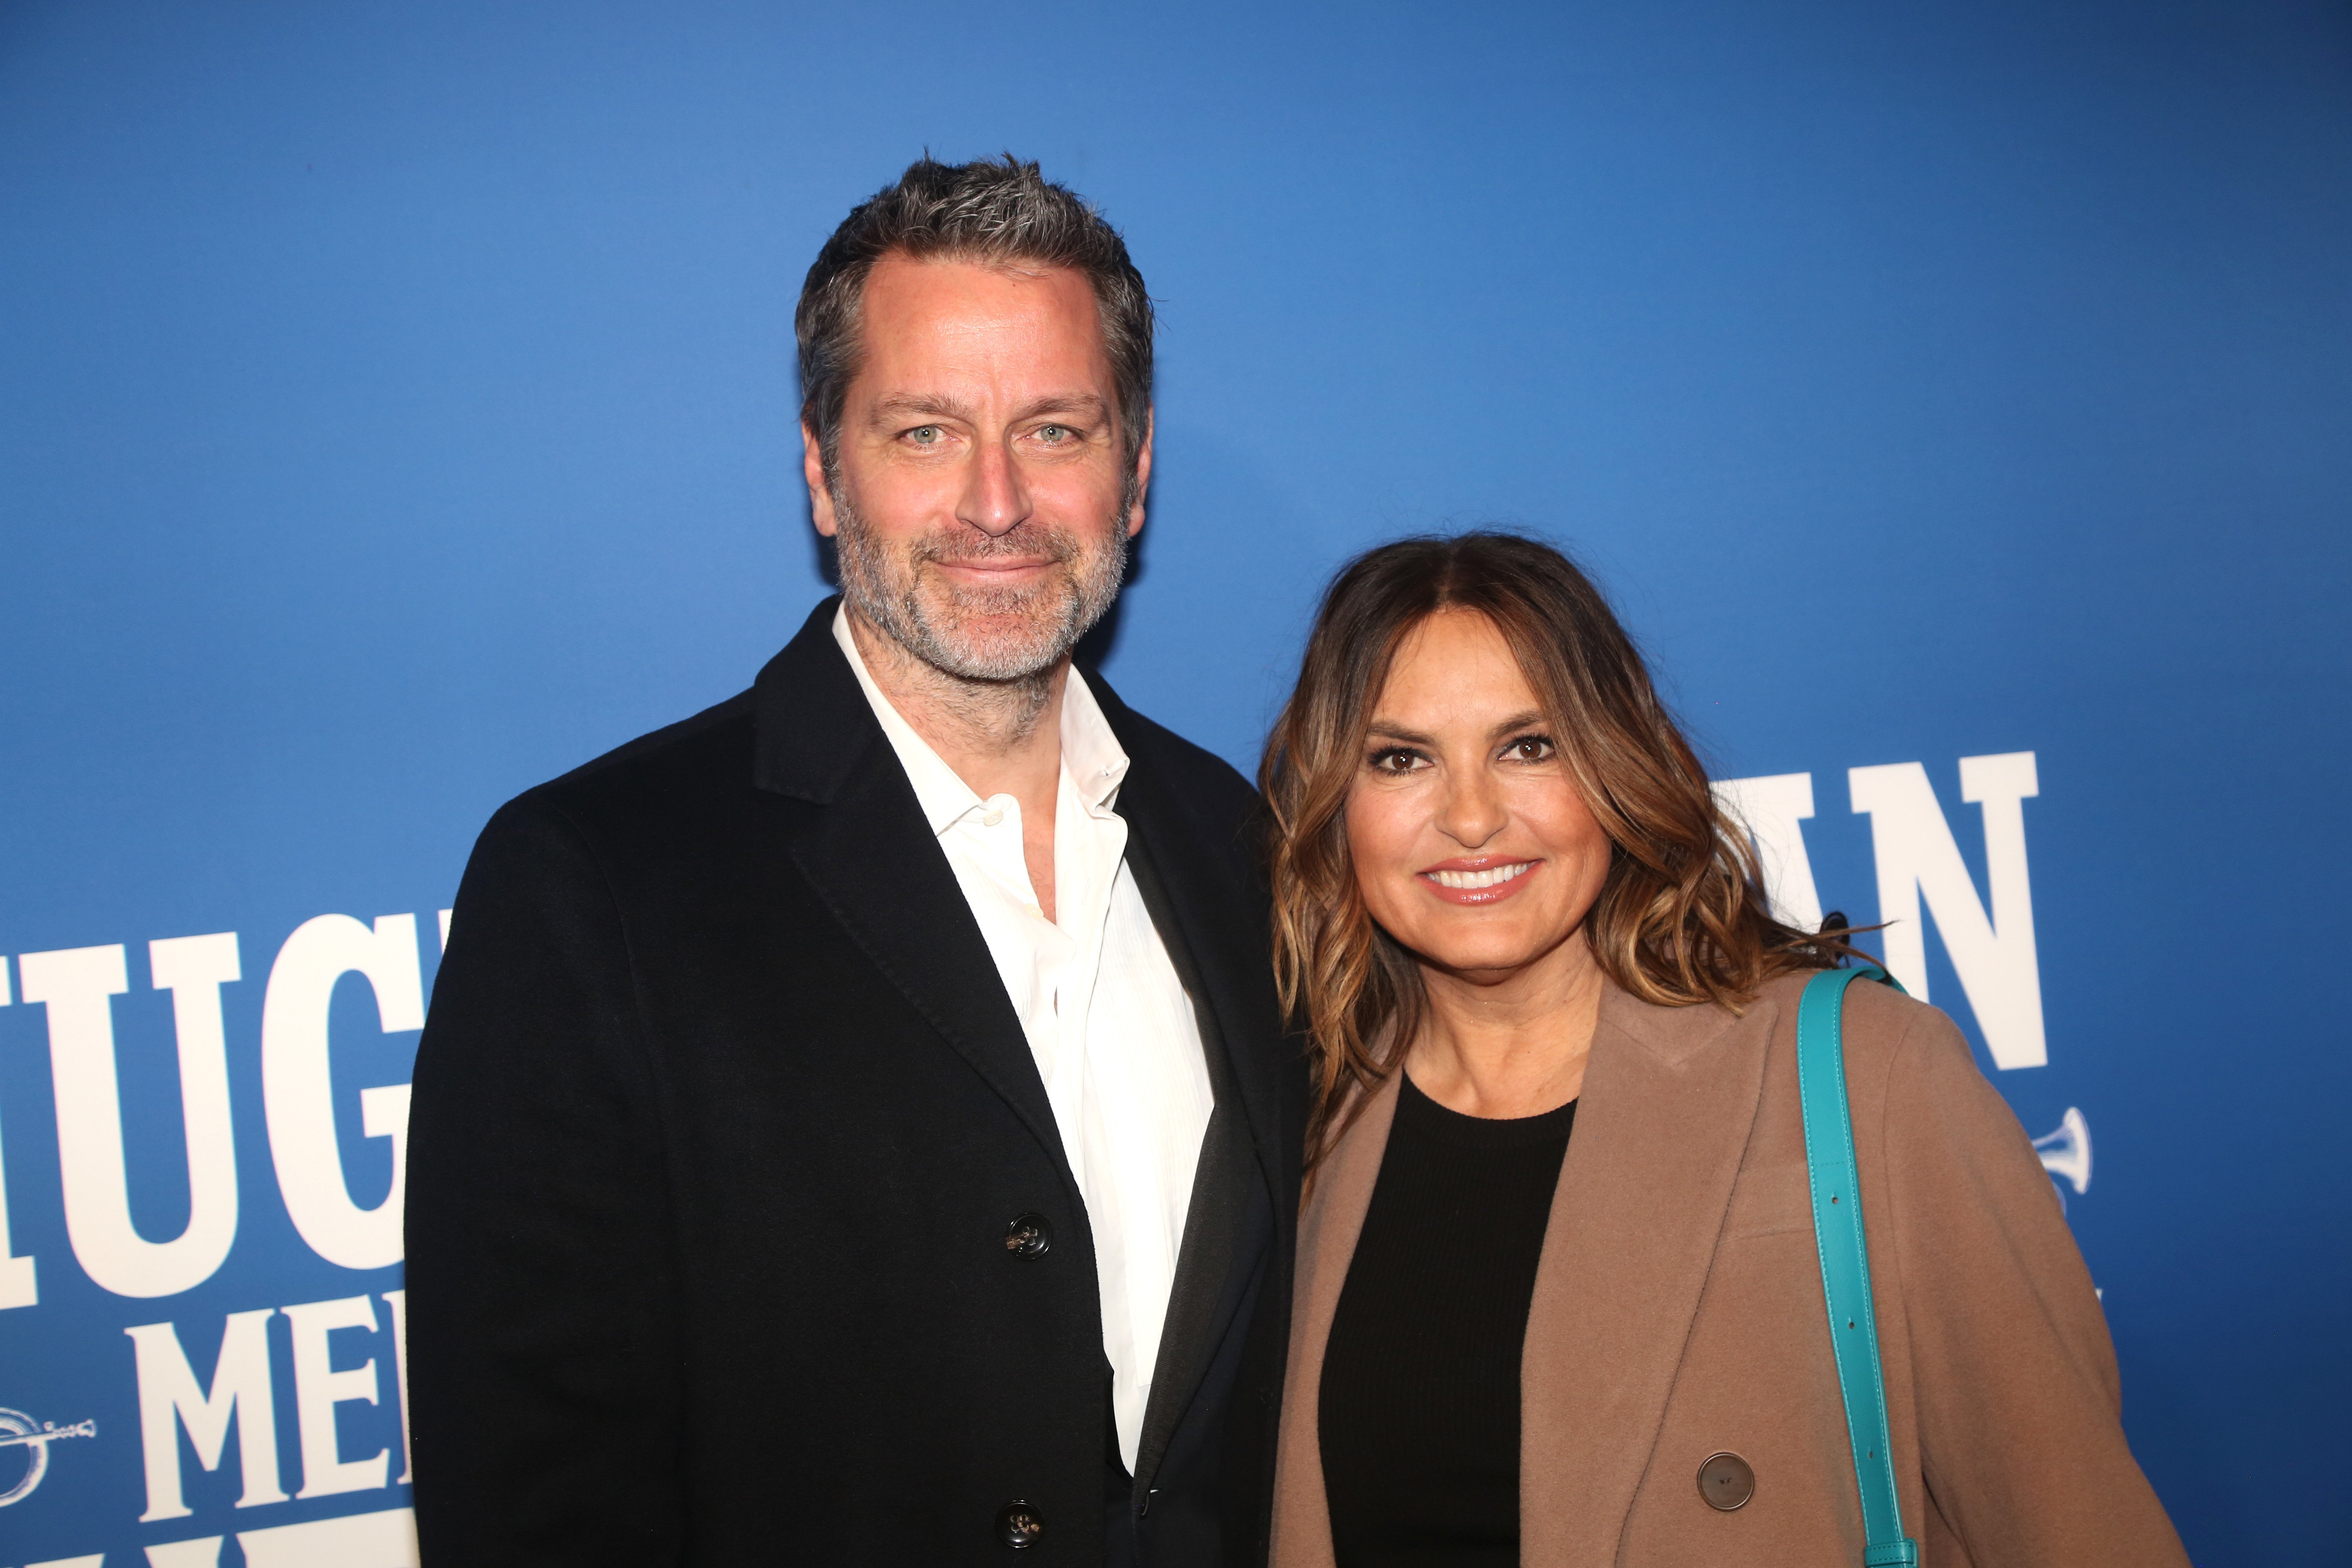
[1558, 1301]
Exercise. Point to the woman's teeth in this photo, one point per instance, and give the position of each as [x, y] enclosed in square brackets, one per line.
[1492, 877]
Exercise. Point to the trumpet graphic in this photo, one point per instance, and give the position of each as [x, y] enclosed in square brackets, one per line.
[18, 1430]
[2067, 1153]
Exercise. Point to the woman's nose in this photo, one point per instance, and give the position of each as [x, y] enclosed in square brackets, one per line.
[1472, 810]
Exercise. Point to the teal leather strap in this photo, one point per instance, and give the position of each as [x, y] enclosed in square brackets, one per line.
[1845, 1260]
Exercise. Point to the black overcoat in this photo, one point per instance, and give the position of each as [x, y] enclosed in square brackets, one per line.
[720, 1124]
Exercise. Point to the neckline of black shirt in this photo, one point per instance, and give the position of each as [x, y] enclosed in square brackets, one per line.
[1447, 1126]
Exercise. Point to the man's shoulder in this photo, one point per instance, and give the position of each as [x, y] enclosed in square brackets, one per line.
[1199, 767]
[1195, 773]
[680, 769]
[668, 770]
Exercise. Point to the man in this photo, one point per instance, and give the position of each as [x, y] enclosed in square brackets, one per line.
[854, 1125]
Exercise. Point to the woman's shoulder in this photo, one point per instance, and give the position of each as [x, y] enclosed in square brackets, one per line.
[1907, 1062]
[1878, 1021]
[1877, 1017]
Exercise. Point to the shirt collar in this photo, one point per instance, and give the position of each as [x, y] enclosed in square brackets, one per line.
[1093, 762]
[1092, 759]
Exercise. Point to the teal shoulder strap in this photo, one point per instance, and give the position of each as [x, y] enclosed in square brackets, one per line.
[1845, 1260]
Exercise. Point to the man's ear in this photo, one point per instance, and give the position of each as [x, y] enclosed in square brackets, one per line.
[1142, 479]
[813, 470]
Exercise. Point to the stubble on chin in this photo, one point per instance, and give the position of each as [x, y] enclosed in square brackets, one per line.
[1011, 636]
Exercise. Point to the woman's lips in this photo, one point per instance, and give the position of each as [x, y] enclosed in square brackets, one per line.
[1477, 883]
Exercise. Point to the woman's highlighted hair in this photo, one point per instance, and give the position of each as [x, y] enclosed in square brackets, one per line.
[1682, 918]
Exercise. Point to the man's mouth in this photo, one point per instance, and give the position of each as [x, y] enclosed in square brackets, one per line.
[997, 564]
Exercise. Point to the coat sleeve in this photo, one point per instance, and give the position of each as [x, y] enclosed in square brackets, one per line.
[2019, 1402]
[543, 1387]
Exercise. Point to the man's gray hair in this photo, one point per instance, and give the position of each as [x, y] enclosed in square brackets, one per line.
[995, 212]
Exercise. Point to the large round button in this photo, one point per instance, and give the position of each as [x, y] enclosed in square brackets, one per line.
[1018, 1525]
[1028, 1235]
[1726, 1481]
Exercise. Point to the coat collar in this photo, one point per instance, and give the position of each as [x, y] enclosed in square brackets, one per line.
[1670, 1095]
[1327, 1245]
[813, 724]
[1093, 764]
[1662, 1124]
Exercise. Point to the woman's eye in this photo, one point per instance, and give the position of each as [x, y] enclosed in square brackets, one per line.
[1529, 749]
[1396, 759]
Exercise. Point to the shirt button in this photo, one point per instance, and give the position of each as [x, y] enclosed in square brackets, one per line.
[1726, 1481]
[990, 818]
[1018, 1525]
[1028, 1237]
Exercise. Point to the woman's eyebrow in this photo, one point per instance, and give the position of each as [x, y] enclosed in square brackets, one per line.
[1386, 729]
[1516, 721]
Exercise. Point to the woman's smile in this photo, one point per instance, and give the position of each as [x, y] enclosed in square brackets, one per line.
[1487, 879]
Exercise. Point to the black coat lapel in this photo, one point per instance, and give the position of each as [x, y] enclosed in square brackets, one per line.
[1226, 1211]
[875, 861]
[1222, 926]
[1212, 929]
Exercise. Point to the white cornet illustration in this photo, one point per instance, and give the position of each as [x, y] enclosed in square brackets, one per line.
[18, 1430]
[2067, 1152]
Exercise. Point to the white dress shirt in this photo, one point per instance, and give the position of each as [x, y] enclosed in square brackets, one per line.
[1107, 1018]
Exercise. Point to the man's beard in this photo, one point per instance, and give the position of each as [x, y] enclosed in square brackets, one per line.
[999, 635]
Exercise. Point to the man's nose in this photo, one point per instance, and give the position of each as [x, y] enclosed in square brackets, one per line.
[994, 500]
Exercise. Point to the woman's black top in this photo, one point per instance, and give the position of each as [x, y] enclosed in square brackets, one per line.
[1420, 1402]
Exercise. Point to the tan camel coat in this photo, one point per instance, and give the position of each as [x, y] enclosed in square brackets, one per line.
[1677, 1314]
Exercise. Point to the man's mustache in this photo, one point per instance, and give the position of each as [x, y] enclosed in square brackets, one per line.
[1025, 540]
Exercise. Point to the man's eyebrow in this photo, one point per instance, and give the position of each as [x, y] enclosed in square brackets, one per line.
[1085, 405]
[918, 405]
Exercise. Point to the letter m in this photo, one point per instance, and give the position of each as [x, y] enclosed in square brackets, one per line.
[169, 1398]
[1919, 859]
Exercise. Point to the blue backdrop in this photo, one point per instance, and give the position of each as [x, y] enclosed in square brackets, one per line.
[396, 408]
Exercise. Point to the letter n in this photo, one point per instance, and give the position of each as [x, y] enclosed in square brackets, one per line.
[1918, 859]
[169, 1398]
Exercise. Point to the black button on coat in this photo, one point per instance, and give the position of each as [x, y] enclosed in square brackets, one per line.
[723, 1132]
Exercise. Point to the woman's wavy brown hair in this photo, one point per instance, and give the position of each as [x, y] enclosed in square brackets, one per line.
[1682, 918]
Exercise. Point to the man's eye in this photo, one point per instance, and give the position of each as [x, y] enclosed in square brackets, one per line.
[1054, 435]
[924, 434]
